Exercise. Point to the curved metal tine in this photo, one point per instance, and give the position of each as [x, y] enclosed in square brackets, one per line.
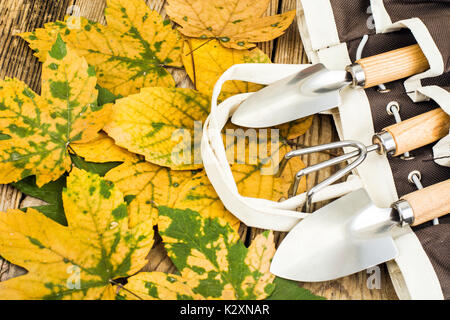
[322, 147]
[334, 145]
[338, 175]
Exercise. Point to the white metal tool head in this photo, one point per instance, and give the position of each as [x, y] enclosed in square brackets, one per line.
[309, 91]
[316, 88]
[352, 234]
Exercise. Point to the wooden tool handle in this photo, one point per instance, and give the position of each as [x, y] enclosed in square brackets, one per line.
[429, 203]
[393, 65]
[419, 131]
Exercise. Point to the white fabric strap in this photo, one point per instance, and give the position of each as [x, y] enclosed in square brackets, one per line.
[319, 27]
[380, 15]
[254, 212]
[441, 152]
[383, 24]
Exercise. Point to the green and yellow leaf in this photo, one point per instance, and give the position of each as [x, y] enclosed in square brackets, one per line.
[199, 195]
[158, 286]
[162, 124]
[102, 149]
[212, 261]
[235, 23]
[147, 186]
[128, 54]
[255, 157]
[82, 260]
[206, 60]
[37, 130]
[296, 128]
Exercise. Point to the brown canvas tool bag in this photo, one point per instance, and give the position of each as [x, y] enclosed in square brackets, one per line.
[336, 33]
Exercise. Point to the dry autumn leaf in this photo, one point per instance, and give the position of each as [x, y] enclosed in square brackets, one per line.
[210, 60]
[206, 60]
[212, 261]
[162, 124]
[157, 286]
[36, 131]
[147, 186]
[296, 128]
[102, 149]
[199, 195]
[82, 260]
[128, 54]
[235, 23]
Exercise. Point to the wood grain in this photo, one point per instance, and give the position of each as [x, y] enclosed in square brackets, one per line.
[393, 65]
[419, 131]
[16, 60]
[429, 203]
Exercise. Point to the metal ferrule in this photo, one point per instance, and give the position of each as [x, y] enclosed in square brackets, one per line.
[405, 212]
[386, 141]
[357, 74]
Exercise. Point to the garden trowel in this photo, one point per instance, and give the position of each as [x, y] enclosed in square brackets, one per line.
[352, 234]
[316, 88]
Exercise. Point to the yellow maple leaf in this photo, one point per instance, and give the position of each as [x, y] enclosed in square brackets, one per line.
[147, 186]
[212, 261]
[296, 128]
[79, 261]
[157, 286]
[199, 195]
[128, 54]
[206, 60]
[162, 124]
[37, 130]
[102, 149]
[235, 23]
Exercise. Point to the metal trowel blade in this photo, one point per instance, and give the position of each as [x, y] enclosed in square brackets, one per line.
[307, 92]
[349, 235]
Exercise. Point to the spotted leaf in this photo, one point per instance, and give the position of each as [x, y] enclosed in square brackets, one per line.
[235, 23]
[212, 261]
[37, 130]
[102, 149]
[128, 54]
[206, 60]
[82, 260]
[157, 286]
[213, 264]
[255, 158]
[162, 124]
[199, 195]
[147, 186]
